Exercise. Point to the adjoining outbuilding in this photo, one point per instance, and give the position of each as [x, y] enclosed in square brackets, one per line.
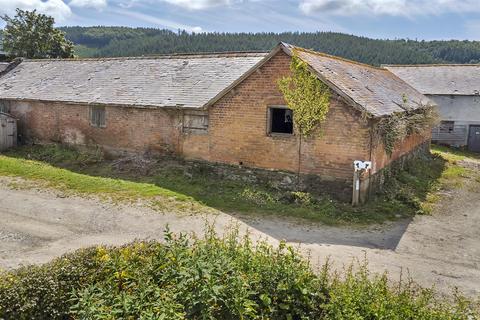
[221, 108]
[456, 91]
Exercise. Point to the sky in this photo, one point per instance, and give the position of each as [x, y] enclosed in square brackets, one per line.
[412, 19]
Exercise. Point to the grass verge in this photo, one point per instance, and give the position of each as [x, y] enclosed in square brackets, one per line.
[103, 187]
[454, 154]
[406, 193]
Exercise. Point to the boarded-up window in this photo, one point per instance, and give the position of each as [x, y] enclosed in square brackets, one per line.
[195, 122]
[97, 117]
[4, 106]
[447, 126]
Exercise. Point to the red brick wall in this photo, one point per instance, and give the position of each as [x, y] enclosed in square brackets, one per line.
[381, 159]
[130, 129]
[238, 131]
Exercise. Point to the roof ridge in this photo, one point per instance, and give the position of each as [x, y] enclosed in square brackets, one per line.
[352, 88]
[326, 55]
[431, 65]
[233, 54]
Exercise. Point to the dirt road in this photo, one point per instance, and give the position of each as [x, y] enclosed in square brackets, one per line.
[441, 250]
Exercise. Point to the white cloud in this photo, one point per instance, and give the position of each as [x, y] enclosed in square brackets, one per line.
[198, 4]
[389, 7]
[158, 21]
[55, 8]
[93, 4]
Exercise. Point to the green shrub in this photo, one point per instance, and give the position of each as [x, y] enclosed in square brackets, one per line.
[258, 197]
[44, 292]
[209, 278]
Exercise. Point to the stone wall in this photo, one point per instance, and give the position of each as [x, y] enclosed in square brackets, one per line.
[279, 180]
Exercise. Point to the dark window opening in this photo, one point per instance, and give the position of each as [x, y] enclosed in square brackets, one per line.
[97, 117]
[281, 120]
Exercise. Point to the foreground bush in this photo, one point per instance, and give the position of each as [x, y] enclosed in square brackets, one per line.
[209, 278]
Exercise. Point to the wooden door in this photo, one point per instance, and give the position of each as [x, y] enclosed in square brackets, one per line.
[8, 132]
[474, 138]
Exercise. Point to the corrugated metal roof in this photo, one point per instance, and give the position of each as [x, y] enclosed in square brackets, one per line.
[188, 81]
[372, 89]
[440, 79]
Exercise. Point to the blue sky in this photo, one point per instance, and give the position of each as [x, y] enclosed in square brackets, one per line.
[414, 19]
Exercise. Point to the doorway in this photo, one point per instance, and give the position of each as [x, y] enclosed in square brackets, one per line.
[474, 138]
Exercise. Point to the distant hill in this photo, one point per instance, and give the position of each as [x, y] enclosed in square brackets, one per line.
[125, 41]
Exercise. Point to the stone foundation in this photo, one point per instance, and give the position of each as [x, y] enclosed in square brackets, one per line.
[281, 180]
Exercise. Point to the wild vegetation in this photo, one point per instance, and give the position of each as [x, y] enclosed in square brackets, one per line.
[398, 126]
[211, 278]
[175, 185]
[123, 41]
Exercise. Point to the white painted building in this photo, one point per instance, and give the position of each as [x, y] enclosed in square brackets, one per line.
[456, 90]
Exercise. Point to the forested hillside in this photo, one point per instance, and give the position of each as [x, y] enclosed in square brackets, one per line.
[124, 41]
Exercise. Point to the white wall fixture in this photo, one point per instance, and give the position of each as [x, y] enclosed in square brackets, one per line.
[362, 165]
[359, 167]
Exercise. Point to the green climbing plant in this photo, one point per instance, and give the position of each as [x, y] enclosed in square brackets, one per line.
[398, 126]
[306, 95]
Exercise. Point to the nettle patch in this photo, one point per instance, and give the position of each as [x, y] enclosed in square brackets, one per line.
[306, 95]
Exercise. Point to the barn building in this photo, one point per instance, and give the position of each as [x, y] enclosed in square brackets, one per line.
[221, 108]
[456, 91]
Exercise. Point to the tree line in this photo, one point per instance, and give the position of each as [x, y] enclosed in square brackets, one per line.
[123, 41]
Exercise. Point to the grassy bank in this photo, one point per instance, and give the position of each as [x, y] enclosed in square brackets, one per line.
[210, 278]
[194, 185]
[453, 154]
[73, 183]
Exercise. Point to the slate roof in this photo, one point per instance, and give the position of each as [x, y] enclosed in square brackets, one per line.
[195, 81]
[188, 81]
[3, 66]
[372, 89]
[440, 79]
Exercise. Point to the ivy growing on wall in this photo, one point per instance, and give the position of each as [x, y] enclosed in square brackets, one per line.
[398, 126]
[309, 98]
[306, 95]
